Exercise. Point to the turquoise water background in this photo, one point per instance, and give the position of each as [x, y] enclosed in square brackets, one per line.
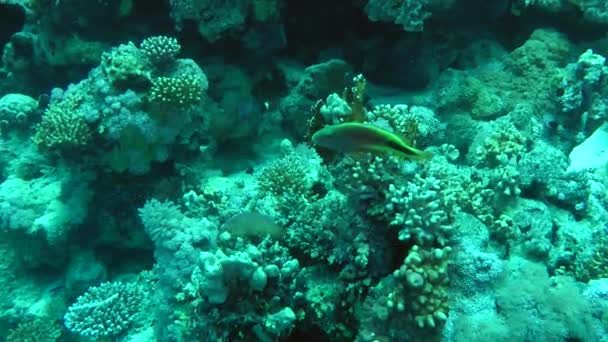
[281, 170]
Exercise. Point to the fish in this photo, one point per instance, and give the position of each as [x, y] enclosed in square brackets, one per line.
[253, 225]
[352, 137]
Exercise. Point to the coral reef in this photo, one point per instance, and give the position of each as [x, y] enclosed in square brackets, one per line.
[162, 177]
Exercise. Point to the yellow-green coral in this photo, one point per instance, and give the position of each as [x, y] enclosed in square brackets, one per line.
[286, 176]
[182, 91]
[160, 49]
[63, 127]
[596, 266]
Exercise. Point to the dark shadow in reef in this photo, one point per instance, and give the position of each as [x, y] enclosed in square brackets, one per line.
[12, 18]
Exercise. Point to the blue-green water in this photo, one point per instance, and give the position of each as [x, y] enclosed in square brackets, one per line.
[274, 170]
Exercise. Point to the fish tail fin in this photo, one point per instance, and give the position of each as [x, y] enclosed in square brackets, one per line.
[425, 155]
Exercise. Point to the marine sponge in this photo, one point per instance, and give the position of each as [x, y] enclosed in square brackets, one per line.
[105, 310]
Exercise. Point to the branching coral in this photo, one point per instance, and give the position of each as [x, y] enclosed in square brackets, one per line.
[287, 176]
[105, 310]
[366, 179]
[160, 50]
[421, 211]
[424, 274]
[417, 124]
[37, 330]
[327, 229]
[413, 301]
[63, 127]
[504, 144]
[182, 91]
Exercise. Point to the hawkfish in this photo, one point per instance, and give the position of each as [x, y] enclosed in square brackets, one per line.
[352, 137]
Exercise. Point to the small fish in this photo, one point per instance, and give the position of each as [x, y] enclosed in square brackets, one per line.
[253, 225]
[353, 137]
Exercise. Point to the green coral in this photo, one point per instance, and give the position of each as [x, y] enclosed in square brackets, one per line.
[287, 176]
[62, 128]
[160, 50]
[180, 91]
[37, 330]
[596, 265]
